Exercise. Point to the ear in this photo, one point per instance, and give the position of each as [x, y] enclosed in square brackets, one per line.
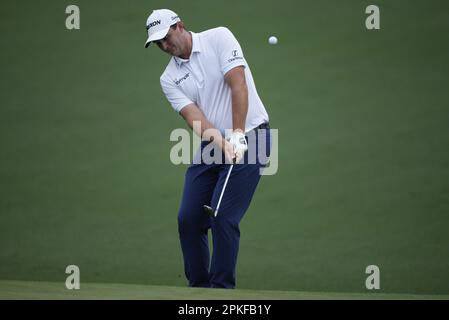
[181, 26]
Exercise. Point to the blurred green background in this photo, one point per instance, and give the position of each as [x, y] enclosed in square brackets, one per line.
[363, 119]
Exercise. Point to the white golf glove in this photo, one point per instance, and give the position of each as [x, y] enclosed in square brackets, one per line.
[238, 141]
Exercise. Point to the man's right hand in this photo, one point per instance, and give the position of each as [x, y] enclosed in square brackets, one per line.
[228, 150]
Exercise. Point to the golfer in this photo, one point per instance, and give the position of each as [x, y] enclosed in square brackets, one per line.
[208, 81]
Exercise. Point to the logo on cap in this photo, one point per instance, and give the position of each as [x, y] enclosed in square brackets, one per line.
[154, 23]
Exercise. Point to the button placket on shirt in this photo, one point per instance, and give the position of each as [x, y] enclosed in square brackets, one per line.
[198, 74]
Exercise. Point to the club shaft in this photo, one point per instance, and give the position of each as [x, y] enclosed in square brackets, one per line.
[222, 190]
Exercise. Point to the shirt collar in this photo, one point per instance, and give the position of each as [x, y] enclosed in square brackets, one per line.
[196, 47]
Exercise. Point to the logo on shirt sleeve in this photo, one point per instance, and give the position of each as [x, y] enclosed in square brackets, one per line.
[235, 56]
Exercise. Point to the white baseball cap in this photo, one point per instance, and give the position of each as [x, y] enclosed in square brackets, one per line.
[158, 24]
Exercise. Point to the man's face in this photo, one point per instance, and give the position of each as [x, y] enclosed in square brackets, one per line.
[173, 43]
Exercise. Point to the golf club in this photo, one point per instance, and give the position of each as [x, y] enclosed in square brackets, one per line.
[209, 209]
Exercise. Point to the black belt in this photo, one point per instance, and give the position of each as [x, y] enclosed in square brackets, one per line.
[264, 125]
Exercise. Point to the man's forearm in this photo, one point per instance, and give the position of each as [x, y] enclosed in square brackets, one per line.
[235, 78]
[239, 107]
[203, 128]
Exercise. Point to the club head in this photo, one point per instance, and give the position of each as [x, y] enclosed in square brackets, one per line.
[208, 210]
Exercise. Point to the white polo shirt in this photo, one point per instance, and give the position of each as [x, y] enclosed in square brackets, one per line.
[200, 79]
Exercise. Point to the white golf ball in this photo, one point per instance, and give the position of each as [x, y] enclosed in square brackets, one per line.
[272, 40]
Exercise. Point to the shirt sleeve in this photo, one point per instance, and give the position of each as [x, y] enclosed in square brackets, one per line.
[174, 95]
[229, 51]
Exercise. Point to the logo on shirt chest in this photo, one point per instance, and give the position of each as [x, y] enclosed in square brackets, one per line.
[180, 80]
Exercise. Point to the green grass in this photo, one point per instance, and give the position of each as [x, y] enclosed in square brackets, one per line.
[110, 291]
[85, 176]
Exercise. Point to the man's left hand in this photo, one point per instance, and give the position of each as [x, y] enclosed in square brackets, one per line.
[238, 141]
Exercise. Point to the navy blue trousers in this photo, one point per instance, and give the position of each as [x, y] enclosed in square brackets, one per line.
[203, 186]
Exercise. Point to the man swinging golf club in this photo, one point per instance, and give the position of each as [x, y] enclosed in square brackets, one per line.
[208, 80]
